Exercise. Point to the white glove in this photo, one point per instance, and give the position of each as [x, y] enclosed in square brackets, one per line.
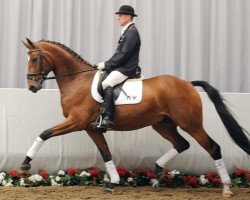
[101, 66]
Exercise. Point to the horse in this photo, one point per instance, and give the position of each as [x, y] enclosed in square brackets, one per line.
[167, 103]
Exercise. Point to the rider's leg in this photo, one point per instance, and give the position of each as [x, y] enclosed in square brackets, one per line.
[113, 79]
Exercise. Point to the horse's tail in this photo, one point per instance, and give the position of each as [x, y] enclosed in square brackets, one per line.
[232, 126]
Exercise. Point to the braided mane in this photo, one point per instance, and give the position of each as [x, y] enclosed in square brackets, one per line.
[77, 56]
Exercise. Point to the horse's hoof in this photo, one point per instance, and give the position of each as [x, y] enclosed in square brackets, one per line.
[25, 167]
[110, 188]
[228, 194]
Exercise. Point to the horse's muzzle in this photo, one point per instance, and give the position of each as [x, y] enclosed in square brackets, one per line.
[35, 87]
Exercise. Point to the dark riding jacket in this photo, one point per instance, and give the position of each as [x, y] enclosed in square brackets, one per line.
[126, 57]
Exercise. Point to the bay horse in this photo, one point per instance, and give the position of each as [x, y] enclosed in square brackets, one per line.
[167, 102]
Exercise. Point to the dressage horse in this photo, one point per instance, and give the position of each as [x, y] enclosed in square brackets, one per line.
[167, 102]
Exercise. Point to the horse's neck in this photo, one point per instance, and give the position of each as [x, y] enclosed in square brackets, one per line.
[70, 82]
[65, 63]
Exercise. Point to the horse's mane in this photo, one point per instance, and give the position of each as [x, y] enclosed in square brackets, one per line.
[76, 55]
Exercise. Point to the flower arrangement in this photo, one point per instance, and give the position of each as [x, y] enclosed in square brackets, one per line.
[241, 178]
[139, 177]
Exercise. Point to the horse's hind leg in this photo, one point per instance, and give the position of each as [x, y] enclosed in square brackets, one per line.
[168, 130]
[102, 145]
[67, 126]
[214, 150]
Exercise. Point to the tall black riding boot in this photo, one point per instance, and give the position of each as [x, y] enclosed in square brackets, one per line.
[109, 108]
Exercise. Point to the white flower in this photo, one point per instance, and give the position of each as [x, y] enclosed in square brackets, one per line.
[87, 174]
[105, 178]
[130, 179]
[58, 178]
[9, 185]
[4, 182]
[22, 182]
[54, 183]
[2, 175]
[174, 172]
[154, 182]
[35, 178]
[61, 172]
[32, 178]
[7, 182]
[83, 173]
[203, 180]
[38, 177]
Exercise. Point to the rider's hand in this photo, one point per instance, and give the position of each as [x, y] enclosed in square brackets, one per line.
[101, 66]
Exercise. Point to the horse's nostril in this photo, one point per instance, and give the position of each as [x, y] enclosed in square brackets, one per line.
[32, 87]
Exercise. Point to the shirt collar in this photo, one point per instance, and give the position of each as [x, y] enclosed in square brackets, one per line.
[125, 27]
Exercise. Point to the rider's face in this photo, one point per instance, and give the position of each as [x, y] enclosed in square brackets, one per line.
[124, 19]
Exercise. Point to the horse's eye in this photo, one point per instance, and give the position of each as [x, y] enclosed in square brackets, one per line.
[34, 59]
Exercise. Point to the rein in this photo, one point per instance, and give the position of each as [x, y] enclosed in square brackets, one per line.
[69, 74]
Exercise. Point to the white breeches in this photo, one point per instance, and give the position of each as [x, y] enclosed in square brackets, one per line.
[113, 79]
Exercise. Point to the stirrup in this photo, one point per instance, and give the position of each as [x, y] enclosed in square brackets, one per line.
[108, 125]
[97, 125]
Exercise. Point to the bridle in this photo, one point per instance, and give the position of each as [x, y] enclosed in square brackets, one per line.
[31, 76]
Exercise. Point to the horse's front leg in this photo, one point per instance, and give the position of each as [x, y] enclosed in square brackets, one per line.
[67, 126]
[101, 144]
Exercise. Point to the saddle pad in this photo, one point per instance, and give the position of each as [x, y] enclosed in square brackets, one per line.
[132, 88]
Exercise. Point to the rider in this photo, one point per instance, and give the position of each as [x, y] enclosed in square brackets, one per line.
[123, 64]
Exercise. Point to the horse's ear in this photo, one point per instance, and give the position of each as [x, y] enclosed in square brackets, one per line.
[26, 44]
[30, 43]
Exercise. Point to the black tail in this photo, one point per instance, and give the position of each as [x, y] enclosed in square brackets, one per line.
[232, 126]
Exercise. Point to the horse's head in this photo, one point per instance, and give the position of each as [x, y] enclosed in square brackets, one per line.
[38, 66]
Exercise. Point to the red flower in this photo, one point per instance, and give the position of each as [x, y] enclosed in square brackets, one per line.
[40, 170]
[141, 170]
[71, 171]
[239, 172]
[150, 174]
[123, 172]
[133, 175]
[13, 173]
[191, 181]
[211, 176]
[165, 171]
[44, 174]
[217, 181]
[94, 172]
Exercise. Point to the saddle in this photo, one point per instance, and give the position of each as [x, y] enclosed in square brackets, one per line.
[117, 89]
[127, 92]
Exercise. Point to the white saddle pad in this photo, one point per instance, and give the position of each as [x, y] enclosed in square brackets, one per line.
[132, 88]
